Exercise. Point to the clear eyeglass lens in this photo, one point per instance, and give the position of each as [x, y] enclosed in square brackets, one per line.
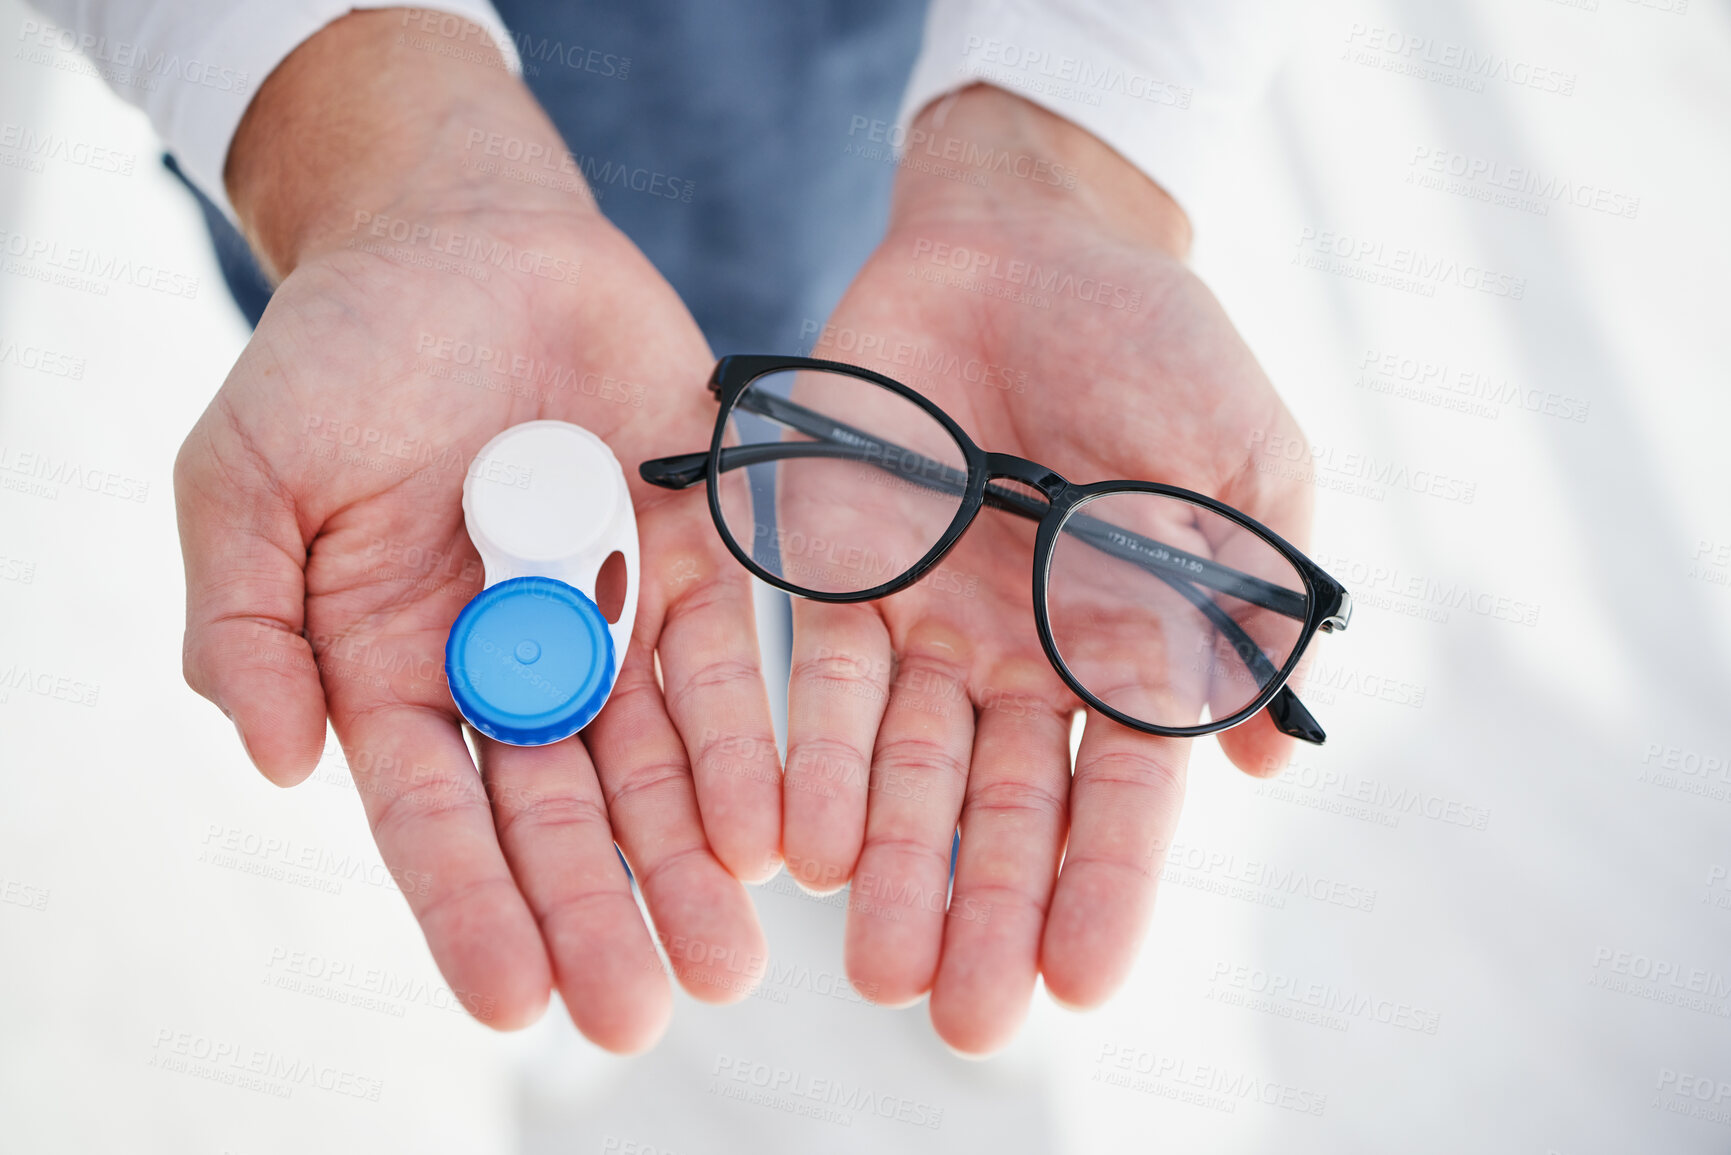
[1162, 608]
[836, 484]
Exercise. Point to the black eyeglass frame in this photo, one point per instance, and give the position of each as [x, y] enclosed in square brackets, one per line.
[1328, 604]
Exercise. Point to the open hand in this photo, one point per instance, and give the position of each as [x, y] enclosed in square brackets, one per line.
[936, 706]
[431, 302]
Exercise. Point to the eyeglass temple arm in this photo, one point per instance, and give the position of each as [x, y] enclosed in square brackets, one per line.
[685, 470]
[1157, 557]
[1284, 709]
[1288, 713]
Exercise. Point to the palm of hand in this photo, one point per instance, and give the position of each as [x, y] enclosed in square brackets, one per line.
[375, 389]
[1101, 359]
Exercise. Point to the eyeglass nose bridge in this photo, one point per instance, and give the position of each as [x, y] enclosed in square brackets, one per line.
[1030, 473]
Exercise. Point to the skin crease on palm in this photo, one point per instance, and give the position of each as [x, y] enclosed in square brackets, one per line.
[948, 699]
[326, 558]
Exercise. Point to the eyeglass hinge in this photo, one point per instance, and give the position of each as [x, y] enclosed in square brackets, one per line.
[715, 375]
[1340, 617]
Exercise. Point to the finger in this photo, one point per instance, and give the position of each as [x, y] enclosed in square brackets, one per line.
[715, 695]
[703, 917]
[1124, 803]
[1256, 747]
[1286, 506]
[434, 828]
[837, 687]
[245, 609]
[554, 830]
[895, 920]
[1013, 824]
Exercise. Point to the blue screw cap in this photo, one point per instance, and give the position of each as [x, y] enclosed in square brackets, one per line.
[530, 661]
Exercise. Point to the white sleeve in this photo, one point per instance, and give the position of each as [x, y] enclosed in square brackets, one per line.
[1157, 80]
[193, 65]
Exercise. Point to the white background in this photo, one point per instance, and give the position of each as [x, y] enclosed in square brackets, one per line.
[1529, 800]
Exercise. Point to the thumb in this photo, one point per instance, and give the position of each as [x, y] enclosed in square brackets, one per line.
[246, 602]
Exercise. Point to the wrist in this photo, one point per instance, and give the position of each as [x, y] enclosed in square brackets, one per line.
[1034, 161]
[362, 118]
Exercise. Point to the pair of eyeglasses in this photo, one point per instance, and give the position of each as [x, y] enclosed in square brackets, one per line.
[1163, 609]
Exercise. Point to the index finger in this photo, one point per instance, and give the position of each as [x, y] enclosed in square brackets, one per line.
[713, 685]
[246, 607]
